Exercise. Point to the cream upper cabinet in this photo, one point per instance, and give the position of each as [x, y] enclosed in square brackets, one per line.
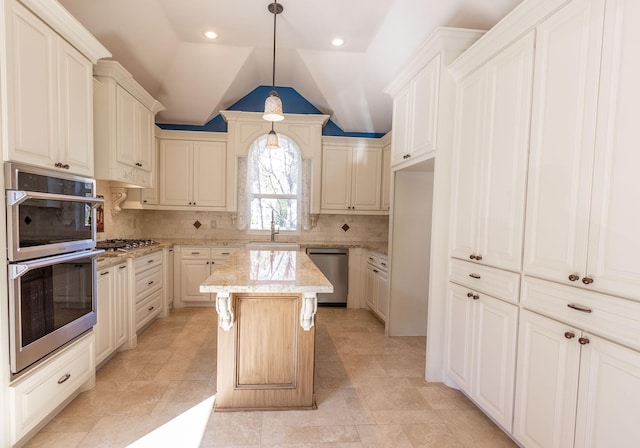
[193, 173]
[490, 159]
[581, 222]
[124, 127]
[50, 96]
[415, 114]
[481, 333]
[351, 178]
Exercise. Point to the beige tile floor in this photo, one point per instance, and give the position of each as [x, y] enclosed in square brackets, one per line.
[370, 393]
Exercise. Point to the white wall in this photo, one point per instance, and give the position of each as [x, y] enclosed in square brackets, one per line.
[410, 253]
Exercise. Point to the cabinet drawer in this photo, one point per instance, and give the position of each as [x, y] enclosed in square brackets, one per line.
[222, 252]
[148, 261]
[496, 282]
[148, 281]
[196, 252]
[378, 260]
[147, 309]
[38, 393]
[610, 317]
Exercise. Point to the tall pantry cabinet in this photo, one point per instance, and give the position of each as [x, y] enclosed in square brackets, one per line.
[576, 382]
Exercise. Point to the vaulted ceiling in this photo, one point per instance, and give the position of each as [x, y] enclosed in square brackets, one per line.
[161, 43]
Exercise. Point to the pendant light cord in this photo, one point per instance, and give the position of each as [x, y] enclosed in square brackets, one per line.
[273, 74]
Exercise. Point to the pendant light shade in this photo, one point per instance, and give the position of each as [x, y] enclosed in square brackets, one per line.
[273, 104]
[272, 139]
[273, 107]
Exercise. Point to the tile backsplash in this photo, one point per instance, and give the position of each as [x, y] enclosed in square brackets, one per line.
[218, 226]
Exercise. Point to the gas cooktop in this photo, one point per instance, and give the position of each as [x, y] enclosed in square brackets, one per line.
[123, 244]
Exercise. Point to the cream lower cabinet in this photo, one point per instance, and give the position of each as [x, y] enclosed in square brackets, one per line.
[574, 389]
[481, 341]
[148, 288]
[196, 263]
[112, 310]
[51, 106]
[193, 173]
[351, 178]
[490, 158]
[582, 220]
[377, 284]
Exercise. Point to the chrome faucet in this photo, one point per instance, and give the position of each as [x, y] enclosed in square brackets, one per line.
[274, 231]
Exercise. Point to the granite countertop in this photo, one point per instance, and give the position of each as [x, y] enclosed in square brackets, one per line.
[110, 258]
[267, 271]
[378, 247]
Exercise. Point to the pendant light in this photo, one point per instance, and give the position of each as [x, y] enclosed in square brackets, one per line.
[273, 104]
[272, 139]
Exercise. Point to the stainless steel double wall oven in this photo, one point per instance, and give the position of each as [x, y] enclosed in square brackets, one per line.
[51, 238]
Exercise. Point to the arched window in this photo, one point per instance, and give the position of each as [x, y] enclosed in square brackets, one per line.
[274, 185]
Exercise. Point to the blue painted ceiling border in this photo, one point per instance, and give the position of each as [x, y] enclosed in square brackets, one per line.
[292, 103]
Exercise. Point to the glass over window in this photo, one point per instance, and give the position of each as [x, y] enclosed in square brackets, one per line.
[274, 185]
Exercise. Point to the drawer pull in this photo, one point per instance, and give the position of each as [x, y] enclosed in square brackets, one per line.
[576, 307]
[574, 277]
[375, 270]
[370, 258]
[195, 253]
[64, 378]
[151, 309]
[583, 341]
[226, 253]
[104, 273]
[151, 261]
[383, 263]
[569, 334]
[150, 283]
[474, 276]
[123, 267]
[587, 280]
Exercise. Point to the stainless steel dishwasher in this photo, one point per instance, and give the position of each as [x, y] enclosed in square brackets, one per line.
[334, 264]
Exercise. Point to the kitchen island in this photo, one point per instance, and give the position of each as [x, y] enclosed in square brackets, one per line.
[266, 303]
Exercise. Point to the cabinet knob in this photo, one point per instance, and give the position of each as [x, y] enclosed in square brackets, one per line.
[472, 257]
[569, 334]
[64, 166]
[478, 257]
[583, 341]
[587, 280]
[476, 297]
[469, 294]
[574, 277]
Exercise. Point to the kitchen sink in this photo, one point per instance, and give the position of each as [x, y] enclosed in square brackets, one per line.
[269, 245]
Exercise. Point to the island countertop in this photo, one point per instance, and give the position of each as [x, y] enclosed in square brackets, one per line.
[267, 271]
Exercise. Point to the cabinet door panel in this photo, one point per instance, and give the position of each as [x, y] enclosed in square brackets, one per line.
[469, 135]
[614, 238]
[176, 172]
[370, 288]
[122, 304]
[459, 336]
[193, 274]
[501, 224]
[127, 119]
[34, 90]
[76, 110]
[495, 357]
[609, 396]
[546, 382]
[367, 172]
[425, 108]
[210, 165]
[336, 177]
[145, 141]
[401, 126]
[104, 328]
[568, 48]
[382, 288]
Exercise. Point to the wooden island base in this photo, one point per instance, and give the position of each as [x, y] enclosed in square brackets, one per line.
[266, 360]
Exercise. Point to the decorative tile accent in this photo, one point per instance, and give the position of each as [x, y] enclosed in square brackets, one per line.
[345, 227]
[197, 224]
[27, 220]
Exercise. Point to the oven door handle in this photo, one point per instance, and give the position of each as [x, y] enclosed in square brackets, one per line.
[15, 197]
[16, 270]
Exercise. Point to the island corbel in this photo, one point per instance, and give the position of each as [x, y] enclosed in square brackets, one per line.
[224, 310]
[308, 310]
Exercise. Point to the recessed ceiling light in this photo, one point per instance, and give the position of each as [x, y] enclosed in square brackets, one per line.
[210, 34]
[337, 42]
